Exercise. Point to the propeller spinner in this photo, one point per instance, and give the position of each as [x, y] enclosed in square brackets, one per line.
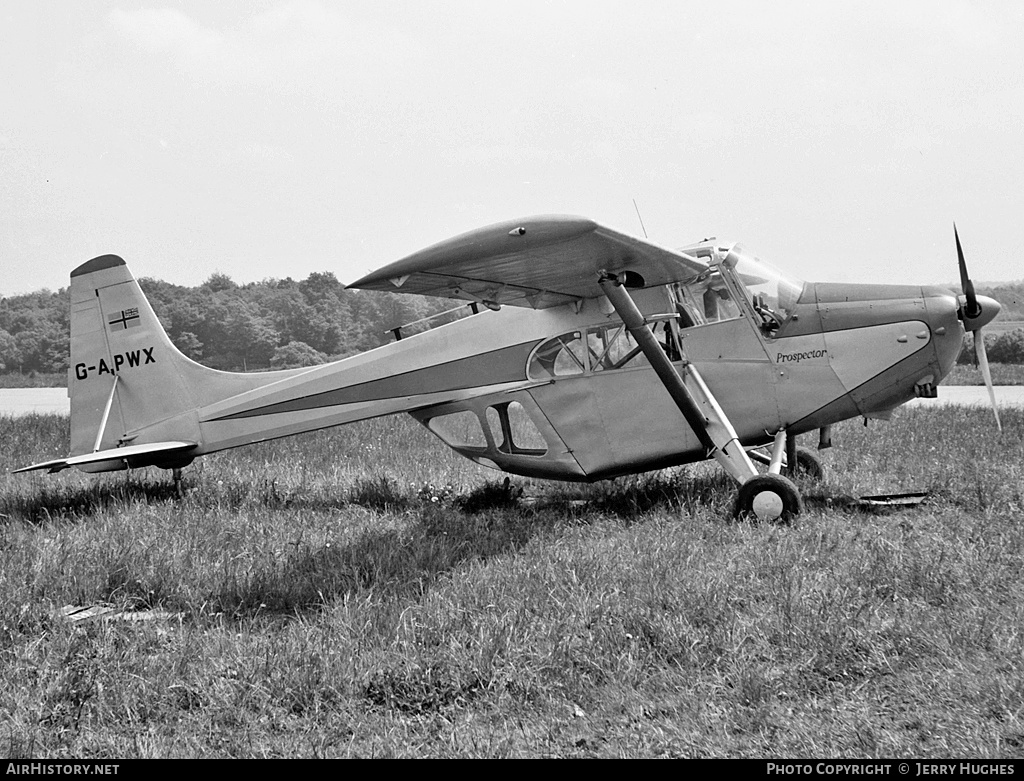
[977, 311]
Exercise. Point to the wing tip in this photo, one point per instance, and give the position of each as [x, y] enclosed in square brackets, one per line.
[554, 227]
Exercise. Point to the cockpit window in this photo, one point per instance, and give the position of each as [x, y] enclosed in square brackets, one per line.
[703, 299]
[772, 293]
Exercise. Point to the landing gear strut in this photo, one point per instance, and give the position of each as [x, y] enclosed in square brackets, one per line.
[805, 463]
[800, 462]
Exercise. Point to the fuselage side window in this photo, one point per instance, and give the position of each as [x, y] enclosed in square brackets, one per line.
[459, 429]
[514, 430]
[613, 347]
[601, 348]
[562, 356]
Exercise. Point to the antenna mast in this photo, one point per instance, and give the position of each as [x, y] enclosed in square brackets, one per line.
[640, 218]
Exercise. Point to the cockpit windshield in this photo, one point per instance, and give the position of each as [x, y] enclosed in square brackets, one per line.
[772, 293]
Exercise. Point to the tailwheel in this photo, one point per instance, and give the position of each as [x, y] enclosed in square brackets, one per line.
[808, 466]
[768, 498]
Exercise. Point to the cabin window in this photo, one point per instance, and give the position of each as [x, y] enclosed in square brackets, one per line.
[512, 427]
[562, 356]
[613, 347]
[459, 429]
[604, 348]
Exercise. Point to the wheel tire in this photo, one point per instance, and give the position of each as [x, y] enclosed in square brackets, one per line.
[768, 498]
[808, 466]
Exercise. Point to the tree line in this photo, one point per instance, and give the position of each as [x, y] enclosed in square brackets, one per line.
[282, 323]
[275, 323]
[1005, 347]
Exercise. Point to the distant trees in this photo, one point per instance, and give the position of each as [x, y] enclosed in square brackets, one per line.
[34, 332]
[1007, 347]
[10, 356]
[295, 354]
[275, 323]
[279, 323]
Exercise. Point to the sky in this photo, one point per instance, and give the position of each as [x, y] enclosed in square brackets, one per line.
[275, 138]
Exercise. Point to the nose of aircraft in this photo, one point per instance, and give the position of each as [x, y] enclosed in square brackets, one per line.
[985, 313]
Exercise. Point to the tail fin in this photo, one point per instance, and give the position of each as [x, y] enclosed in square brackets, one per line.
[125, 373]
[134, 396]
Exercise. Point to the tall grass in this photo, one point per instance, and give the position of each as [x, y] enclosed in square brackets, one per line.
[365, 592]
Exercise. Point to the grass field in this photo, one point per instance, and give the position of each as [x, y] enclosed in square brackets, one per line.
[366, 592]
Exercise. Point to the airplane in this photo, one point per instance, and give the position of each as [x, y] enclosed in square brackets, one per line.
[589, 354]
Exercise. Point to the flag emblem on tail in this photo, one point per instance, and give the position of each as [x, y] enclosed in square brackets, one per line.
[126, 318]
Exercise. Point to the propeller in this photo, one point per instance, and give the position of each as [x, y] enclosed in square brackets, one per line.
[977, 311]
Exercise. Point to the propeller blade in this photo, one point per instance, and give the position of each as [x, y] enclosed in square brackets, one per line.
[982, 355]
[972, 309]
[971, 314]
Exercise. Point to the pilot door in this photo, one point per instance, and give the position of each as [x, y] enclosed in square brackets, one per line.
[727, 326]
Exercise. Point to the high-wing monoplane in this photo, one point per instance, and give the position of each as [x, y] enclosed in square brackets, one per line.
[589, 354]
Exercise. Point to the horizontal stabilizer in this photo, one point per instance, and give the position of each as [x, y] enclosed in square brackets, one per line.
[132, 452]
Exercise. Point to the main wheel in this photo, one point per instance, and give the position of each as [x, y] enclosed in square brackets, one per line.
[808, 465]
[768, 498]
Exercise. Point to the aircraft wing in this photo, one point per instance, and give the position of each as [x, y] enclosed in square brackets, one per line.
[536, 262]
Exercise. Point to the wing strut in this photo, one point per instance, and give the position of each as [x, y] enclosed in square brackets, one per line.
[688, 390]
[106, 414]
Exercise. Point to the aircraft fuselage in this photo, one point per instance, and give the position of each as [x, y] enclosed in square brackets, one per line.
[565, 392]
[555, 394]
